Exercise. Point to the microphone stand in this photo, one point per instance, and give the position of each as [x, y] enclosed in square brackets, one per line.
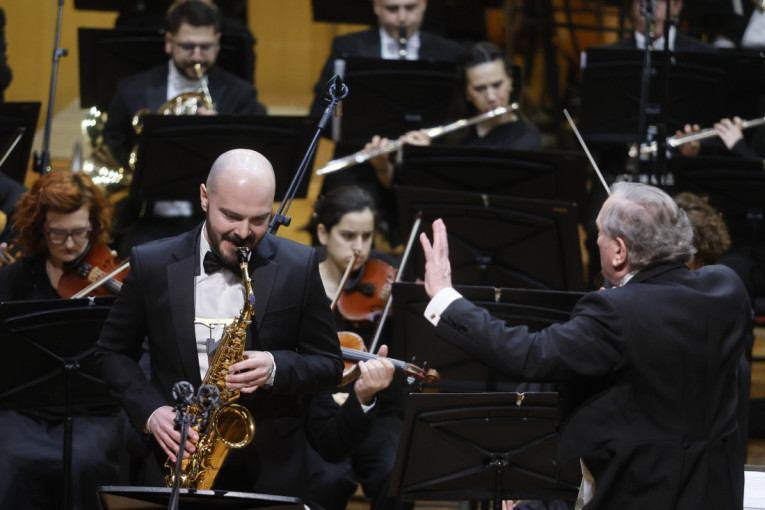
[208, 398]
[645, 85]
[661, 165]
[337, 91]
[42, 161]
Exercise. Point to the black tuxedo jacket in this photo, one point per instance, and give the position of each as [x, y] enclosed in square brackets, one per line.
[366, 44]
[650, 383]
[148, 89]
[292, 321]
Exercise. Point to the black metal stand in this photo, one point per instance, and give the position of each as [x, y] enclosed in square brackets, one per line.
[208, 398]
[56, 339]
[480, 447]
[140, 498]
[337, 90]
[42, 162]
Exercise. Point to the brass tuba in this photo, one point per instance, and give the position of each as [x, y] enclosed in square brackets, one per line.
[231, 425]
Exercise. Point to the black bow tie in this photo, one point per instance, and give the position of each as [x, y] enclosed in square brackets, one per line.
[213, 263]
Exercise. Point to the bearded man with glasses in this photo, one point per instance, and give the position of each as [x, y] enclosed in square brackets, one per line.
[192, 37]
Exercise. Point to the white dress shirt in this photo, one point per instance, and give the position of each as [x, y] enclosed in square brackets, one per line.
[389, 46]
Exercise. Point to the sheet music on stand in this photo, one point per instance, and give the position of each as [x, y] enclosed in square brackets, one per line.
[754, 487]
[140, 498]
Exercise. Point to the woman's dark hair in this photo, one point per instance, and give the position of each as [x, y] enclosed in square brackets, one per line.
[331, 207]
[475, 55]
[710, 234]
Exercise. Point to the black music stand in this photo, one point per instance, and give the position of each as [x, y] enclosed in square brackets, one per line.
[56, 339]
[415, 338]
[109, 55]
[498, 240]
[13, 117]
[482, 446]
[175, 153]
[140, 498]
[727, 83]
[553, 175]
[392, 97]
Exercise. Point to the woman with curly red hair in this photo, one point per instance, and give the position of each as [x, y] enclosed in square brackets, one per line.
[57, 220]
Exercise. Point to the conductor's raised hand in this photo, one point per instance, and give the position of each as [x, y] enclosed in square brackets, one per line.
[438, 270]
[162, 426]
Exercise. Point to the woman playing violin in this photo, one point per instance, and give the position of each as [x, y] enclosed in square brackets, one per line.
[57, 220]
[344, 221]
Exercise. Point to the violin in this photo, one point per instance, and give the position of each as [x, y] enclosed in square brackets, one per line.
[366, 299]
[9, 255]
[353, 351]
[98, 273]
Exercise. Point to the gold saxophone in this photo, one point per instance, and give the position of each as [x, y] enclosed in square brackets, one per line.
[231, 425]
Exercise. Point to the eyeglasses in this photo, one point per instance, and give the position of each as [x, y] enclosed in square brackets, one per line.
[58, 236]
[190, 47]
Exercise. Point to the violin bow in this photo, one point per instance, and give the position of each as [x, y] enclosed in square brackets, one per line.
[404, 258]
[586, 151]
[84, 292]
[344, 279]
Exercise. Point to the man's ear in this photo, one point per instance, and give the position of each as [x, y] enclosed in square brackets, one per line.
[203, 198]
[322, 234]
[168, 43]
[620, 254]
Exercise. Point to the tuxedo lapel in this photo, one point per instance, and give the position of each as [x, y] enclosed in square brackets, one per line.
[180, 279]
[263, 275]
[156, 90]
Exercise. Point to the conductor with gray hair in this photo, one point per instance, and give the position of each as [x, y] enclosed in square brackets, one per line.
[648, 368]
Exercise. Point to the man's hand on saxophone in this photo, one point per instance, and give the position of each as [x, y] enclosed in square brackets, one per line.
[162, 426]
[255, 370]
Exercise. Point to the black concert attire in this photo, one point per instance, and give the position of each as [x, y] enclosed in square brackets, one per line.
[32, 441]
[349, 446]
[230, 94]
[159, 301]
[517, 135]
[652, 390]
[5, 71]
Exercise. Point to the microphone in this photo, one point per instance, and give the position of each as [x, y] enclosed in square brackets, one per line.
[183, 393]
[209, 398]
[338, 90]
